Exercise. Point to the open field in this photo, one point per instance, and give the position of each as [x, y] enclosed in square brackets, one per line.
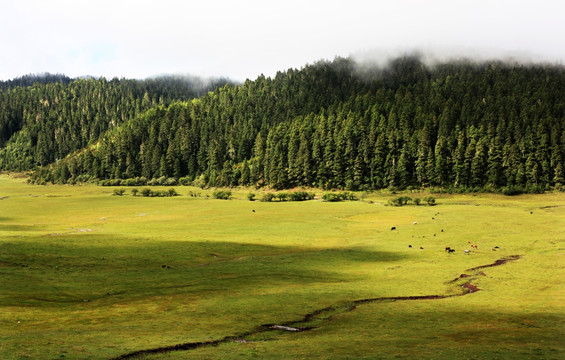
[88, 275]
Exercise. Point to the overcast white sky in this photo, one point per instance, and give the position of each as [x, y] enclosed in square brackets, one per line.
[242, 39]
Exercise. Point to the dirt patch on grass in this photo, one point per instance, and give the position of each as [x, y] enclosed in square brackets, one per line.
[470, 287]
[496, 263]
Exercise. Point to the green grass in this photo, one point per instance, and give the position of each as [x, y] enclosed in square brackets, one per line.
[88, 275]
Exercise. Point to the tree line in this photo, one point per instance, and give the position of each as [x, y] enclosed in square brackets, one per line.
[459, 125]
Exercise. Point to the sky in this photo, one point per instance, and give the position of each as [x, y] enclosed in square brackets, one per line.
[242, 39]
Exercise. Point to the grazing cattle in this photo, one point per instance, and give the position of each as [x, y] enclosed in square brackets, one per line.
[393, 228]
[496, 247]
[531, 212]
[421, 248]
[441, 230]
[467, 252]
[415, 223]
[434, 234]
[450, 251]
[409, 246]
[474, 246]
[253, 210]
[493, 249]
[433, 218]
[447, 248]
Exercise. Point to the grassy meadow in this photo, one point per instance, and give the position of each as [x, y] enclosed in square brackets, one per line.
[88, 275]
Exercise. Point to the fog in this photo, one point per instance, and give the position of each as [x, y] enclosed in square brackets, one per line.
[243, 39]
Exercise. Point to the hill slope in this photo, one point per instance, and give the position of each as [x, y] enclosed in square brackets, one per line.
[459, 124]
[45, 118]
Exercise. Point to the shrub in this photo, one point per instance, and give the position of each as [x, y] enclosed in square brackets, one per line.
[185, 181]
[130, 182]
[268, 197]
[512, 190]
[417, 201]
[146, 192]
[341, 196]
[300, 196]
[160, 193]
[222, 194]
[398, 201]
[200, 181]
[430, 200]
[331, 197]
[172, 192]
[251, 196]
[134, 192]
[535, 189]
[170, 182]
[119, 192]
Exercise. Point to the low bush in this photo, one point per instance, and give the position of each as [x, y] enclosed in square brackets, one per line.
[119, 192]
[512, 190]
[170, 182]
[185, 181]
[268, 197]
[222, 194]
[289, 196]
[159, 193]
[301, 196]
[405, 200]
[146, 192]
[341, 196]
[400, 201]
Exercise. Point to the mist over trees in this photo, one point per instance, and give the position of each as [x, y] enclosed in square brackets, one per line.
[30, 79]
[459, 125]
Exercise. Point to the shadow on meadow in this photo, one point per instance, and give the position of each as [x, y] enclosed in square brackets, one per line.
[70, 269]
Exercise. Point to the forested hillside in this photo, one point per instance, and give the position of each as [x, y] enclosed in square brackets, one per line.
[332, 125]
[44, 118]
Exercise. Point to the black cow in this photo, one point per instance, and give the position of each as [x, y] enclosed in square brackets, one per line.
[393, 228]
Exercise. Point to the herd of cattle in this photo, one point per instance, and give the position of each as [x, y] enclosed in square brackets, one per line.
[448, 249]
